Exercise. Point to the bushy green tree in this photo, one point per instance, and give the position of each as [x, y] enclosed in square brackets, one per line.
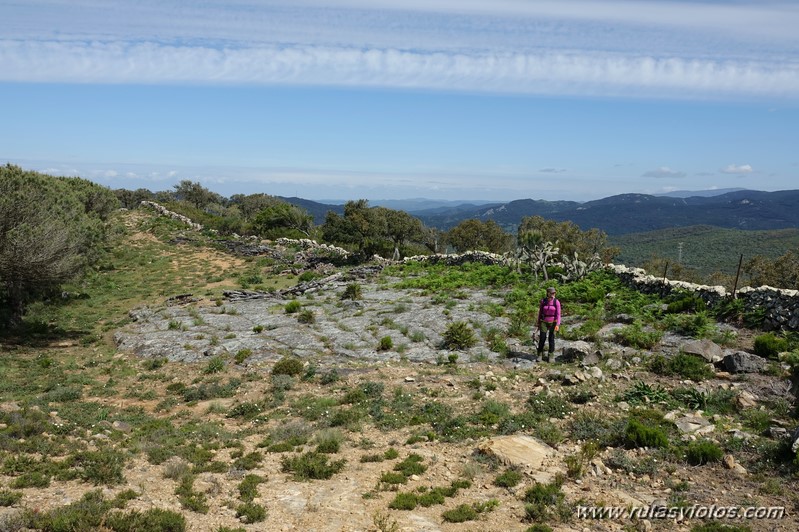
[283, 219]
[476, 235]
[196, 194]
[49, 231]
[131, 199]
[782, 272]
[401, 227]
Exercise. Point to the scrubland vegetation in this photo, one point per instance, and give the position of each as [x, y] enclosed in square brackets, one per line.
[96, 439]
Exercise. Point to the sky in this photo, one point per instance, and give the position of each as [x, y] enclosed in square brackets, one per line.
[490, 100]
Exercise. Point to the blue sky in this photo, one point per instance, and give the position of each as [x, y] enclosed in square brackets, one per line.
[445, 99]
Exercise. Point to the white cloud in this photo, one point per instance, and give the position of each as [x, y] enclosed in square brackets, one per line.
[735, 169]
[552, 170]
[663, 171]
[535, 73]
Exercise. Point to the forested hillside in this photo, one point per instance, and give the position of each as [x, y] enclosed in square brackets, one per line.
[704, 248]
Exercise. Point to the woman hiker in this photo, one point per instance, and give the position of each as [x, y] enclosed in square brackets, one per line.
[548, 321]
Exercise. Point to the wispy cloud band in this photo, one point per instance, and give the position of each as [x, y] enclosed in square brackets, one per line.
[531, 73]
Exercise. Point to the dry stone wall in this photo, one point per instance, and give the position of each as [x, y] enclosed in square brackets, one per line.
[780, 306]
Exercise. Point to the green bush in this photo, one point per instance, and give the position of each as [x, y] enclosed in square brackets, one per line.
[288, 366]
[154, 519]
[386, 343]
[242, 355]
[639, 435]
[459, 336]
[460, 514]
[215, 365]
[541, 498]
[292, 307]
[251, 512]
[248, 488]
[635, 336]
[353, 292]
[9, 498]
[311, 466]
[703, 452]
[308, 275]
[769, 345]
[306, 316]
[687, 366]
[508, 479]
[404, 501]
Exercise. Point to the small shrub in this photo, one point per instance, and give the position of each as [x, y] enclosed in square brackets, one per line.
[412, 465]
[466, 512]
[635, 336]
[391, 453]
[153, 364]
[639, 435]
[329, 377]
[292, 307]
[385, 344]
[249, 461]
[769, 345]
[703, 452]
[392, 478]
[308, 275]
[258, 329]
[329, 441]
[9, 498]
[404, 501]
[311, 466]
[152, 519]
[508, 479]
[353, 291]
[459, 336]
[540, 498]
[215, 365]
[242, 355]
[460, 514]
[687, 366]
[288, 366]
[251, 512]
[306, 316]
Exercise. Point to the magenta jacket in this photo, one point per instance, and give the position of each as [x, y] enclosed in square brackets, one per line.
[549, 312]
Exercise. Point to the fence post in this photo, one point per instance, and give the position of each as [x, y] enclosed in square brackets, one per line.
[737, 274]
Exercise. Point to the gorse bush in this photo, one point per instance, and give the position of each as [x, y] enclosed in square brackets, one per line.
[684, 365]
[292, 307]
[288, 366]
[385, 344]
[703, 452]
[353, 291]
[770, 345]
[639, 435]
[459, 336]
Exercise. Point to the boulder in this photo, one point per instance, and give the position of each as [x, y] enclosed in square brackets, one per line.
[704, 348]
[577, 351]
[743, 362]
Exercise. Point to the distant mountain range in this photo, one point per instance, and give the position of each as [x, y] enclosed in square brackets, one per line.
[621, 214]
